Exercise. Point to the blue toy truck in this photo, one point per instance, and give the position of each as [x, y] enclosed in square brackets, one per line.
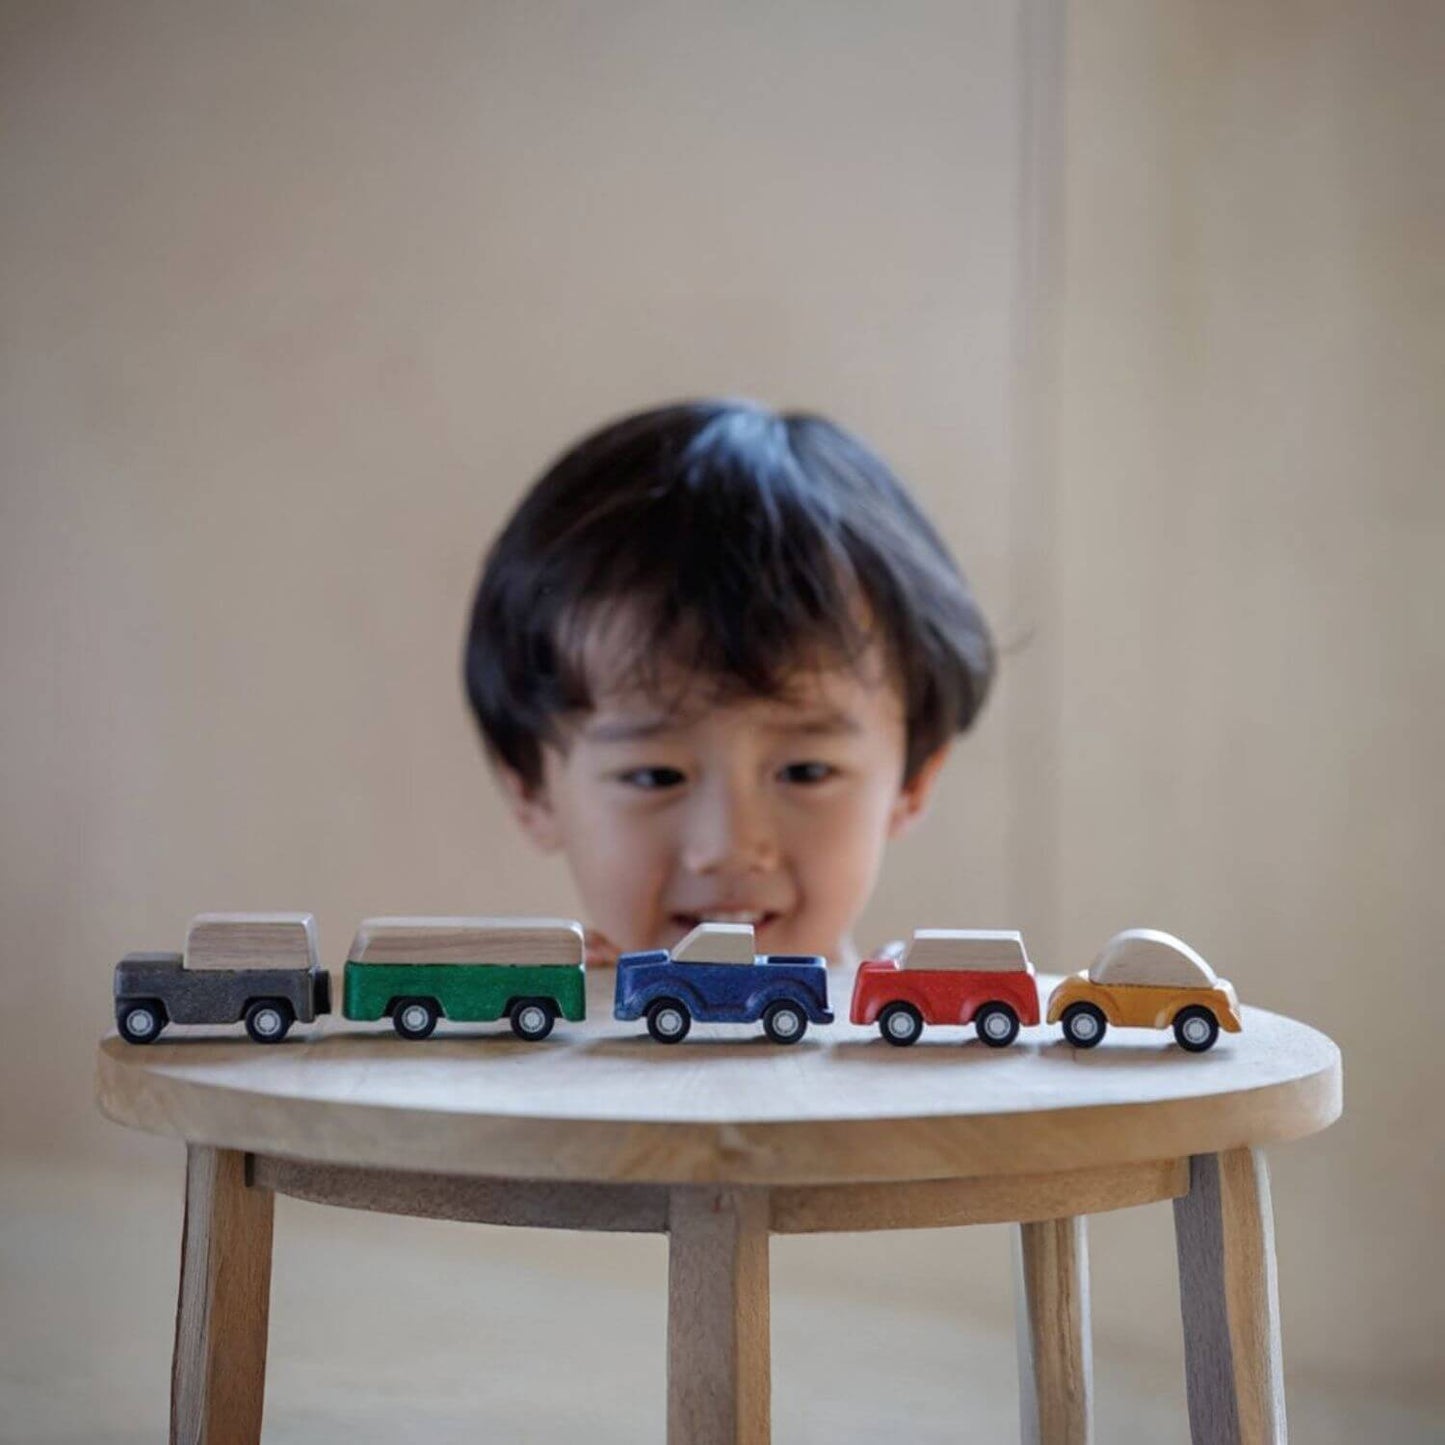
[715, 976]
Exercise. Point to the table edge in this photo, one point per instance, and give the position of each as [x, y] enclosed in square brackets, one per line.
[768, 1152]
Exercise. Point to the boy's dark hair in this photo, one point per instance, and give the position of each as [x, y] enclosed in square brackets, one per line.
[741, 542]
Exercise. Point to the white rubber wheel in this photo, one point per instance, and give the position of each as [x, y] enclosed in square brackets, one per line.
[268, 1020]
[1084, 1025]
[1195, 1029]
[668, 1021]
[415, 1018]
[900, 1024]
[785, 1023]
[998, 1025]
[532, 1020]
[140, 1023]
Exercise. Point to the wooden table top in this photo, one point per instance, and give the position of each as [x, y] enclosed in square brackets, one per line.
[600, 1101]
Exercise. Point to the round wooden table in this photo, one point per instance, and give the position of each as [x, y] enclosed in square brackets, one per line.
[719, 1142]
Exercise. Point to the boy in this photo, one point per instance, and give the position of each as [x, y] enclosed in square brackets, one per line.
[717, 657]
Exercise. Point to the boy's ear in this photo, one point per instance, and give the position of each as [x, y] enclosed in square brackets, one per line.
[913, 796]
[531, 806]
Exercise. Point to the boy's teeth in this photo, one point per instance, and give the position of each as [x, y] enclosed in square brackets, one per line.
[753, 918]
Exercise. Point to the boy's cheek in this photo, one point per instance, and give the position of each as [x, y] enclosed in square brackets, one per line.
[901, 819]
[913, 797]
[621, 883]
[533, 809]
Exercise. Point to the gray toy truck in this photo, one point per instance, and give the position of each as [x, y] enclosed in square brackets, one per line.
[260, 967]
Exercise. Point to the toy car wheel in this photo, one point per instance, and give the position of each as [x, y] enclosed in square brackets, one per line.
[1084, 1024]
[1195, 1029]
[901, 1024]
[997, 1025]
[784, 1022]
[141, 1023]
[532, 1018]
[668, 1021]
[415, 1018]
[268, 1019]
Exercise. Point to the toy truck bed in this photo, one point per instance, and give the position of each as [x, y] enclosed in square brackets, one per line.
[417, 971]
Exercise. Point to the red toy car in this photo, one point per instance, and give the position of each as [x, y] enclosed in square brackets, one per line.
[949, 976]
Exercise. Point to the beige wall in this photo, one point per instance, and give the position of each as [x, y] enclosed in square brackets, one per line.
[296, 299]
[300, 302]
[1251, 577]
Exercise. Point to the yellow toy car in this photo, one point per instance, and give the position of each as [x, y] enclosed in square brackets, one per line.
[1146, 979]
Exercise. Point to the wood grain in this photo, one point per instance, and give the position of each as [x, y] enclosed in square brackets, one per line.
[1056, 1379]
[1148, 958]
[218, 1372]
[528, 1203]
[1002, 1199]
[251, 940]
[808, 1209]
[1229, 1298]
[718, 1348]
[519, 941]
[599, 1101]
[989, 949]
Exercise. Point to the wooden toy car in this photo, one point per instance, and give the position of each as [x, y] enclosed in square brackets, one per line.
[260, 967]
[948, 976]
[1146, 979]
[716, 976]
[415, 971]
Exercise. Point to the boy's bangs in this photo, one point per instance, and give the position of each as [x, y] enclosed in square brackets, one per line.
[678, 654]
[722, 548]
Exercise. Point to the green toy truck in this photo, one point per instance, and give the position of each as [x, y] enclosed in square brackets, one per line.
[414, 971]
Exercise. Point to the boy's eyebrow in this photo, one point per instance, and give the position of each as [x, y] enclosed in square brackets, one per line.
[822, 724]
[633, 729]
[625, 730]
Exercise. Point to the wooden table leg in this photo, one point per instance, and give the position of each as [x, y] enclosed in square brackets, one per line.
[718, 1365]
[218, 1372]
[1229, 1297]
[1056, 1375]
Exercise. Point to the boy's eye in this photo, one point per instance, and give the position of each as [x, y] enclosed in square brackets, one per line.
[808, 772]
[653, 779]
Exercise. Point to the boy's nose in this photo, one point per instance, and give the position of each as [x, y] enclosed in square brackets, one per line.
[729, 832]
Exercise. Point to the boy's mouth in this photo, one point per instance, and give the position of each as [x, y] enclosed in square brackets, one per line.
[758, 919]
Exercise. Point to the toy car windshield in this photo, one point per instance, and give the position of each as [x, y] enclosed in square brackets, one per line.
[717, 943]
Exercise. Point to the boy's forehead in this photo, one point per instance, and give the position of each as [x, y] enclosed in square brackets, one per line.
[814, 700]
[637, 692]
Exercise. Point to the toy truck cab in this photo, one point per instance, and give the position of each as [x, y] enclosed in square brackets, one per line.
[260, 967]
[948, 976]
[415, 971]
[715, 975]
[1143, 978]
